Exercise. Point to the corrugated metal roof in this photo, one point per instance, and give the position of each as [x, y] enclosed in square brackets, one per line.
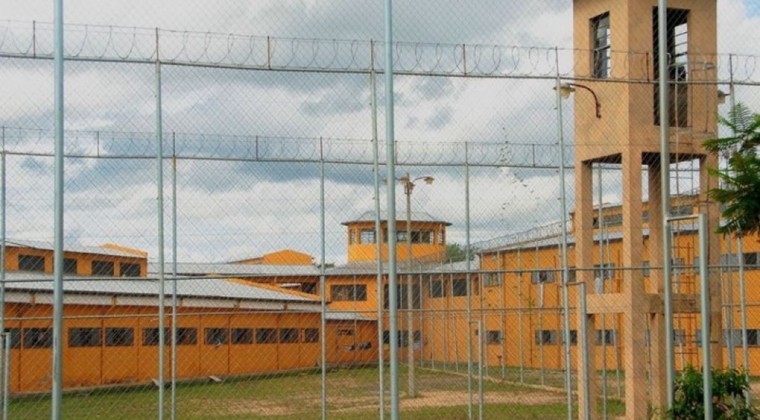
[197, 288]
[48, 246]
[237, 270]
[346, 316]
[369, 216]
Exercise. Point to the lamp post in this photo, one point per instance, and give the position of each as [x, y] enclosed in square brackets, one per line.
[409, 184]
[566, 89]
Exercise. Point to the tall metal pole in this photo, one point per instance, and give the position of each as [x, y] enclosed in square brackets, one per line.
[481, 399]
[584, 350]
[565, 272]
[7, 376]
[160, 211]
[322, 283]
[173, 404]
[57, 383]
[602, 273]
[411, 388]
[743, 308]
[5, 367]
[704, 293]
[468, 276]
[390, 145]
[378, 234]
[662, 61]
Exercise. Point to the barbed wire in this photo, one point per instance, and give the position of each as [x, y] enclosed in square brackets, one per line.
[142, 145]
[213, 49]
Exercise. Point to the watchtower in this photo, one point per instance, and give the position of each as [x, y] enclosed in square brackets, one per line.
[616, 44]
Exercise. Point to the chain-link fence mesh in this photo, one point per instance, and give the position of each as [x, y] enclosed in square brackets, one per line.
[525, 282]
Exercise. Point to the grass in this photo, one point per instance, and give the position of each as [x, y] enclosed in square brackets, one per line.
[352, 394]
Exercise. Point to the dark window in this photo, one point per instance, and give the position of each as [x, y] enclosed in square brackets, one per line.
[31, 263]
[608, 335]
[216, 336]
[102, 268]
[266, 335]
[606, 271]
[422, 236]
[437, 289]
[367, 236]
[119, 337]
[677, 53]
[546, 337]
[348, 292]
[311, 335]
[129, 270]
[573, 337]
[242, 335]
[150, 336]
[37, 338]
[288, 335]
[386, 337]
[187, 336]
[459, 287]
[750, 258]
[13, 333]
[542, 276]
[403, 338]
[84, 337]
[441, 238]
[600, 29]
[402, 296]
[493, 337]
[70, 265]
[491, 279]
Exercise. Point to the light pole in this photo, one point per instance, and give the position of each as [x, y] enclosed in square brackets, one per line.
[408, 184]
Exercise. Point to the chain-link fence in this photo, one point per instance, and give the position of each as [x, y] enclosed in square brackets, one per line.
[232, 248]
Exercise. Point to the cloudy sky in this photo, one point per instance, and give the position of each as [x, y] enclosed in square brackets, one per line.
[234, 209]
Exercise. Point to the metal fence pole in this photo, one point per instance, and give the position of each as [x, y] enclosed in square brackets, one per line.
[391, 175]
[160, 214]
[469, 277]
[378, 235]
[322, 285]
[662, 57]
[173, 403]
[57, 362]
[3, 215]
[584, 349]
[705, 309]
[481, 400]
[565, 272]
[743, 309]
[7, 375]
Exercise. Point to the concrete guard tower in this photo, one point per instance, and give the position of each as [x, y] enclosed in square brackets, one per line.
[616, 59]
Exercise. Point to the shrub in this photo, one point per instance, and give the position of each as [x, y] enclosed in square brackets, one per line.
[728, 391]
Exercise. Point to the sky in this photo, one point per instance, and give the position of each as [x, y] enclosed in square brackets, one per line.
[232, 209]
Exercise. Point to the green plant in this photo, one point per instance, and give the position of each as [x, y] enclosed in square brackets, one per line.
[729, 388]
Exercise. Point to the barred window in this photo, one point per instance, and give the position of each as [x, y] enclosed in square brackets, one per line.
[288, 335]
[546, 337]
[348, 292]
[187, 336]
[119, 337]
[311, 335]
[266, 336]
[102, 268]
[217, 336]
[600, 28]
[437, 289]
[241, 335]
[491, 279]
[129, 270]
[542, 276]
[31, 263]
[37, 338]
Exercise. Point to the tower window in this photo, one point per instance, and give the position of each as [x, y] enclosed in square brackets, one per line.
[600, 30]
[677, 52]
[367, 236]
